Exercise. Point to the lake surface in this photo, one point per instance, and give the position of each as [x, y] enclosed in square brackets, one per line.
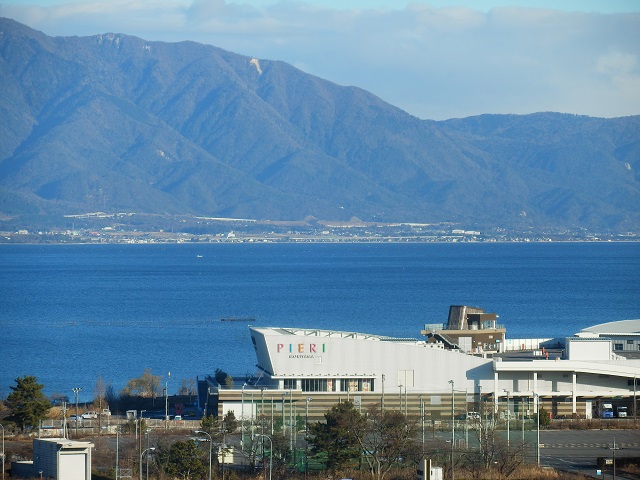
[72, 313]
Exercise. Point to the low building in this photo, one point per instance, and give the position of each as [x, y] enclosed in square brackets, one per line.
[62, 459]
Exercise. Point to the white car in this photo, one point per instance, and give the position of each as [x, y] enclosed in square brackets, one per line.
[89, 415]
[106, 412]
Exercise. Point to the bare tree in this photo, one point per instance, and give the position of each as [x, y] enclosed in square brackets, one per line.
[387, 439]
[99, 393]
[493, 453]
[187, 387]
[146, 385]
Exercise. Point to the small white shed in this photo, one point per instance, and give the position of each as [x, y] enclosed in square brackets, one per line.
[62, 459]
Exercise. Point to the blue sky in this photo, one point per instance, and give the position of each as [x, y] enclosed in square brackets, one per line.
[435, 59]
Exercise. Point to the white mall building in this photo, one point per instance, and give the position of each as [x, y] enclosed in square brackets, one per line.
[467, 360]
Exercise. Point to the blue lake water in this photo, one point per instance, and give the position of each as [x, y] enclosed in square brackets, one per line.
[72, 313]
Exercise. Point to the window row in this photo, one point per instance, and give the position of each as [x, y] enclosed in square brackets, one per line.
[331, 384]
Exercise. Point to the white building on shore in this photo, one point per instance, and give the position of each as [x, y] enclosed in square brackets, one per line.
[465, 358]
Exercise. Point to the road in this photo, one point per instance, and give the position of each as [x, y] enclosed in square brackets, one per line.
[577, 450]
[569, 450]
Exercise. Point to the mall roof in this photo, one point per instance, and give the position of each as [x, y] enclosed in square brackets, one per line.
[620, 327]
[315, 332]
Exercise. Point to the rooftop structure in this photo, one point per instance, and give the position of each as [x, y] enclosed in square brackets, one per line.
[469, 329]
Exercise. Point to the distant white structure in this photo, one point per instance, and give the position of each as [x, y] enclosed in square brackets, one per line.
[624, 334]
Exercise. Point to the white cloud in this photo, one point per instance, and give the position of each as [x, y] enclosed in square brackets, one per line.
[617, 64]
[433, 62]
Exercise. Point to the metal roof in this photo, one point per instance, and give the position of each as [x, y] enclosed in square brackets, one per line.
[620, 327]
[315, 332]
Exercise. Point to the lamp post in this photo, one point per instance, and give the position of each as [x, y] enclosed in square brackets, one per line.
[117, 451]
[166, 400]
[453, 425]
[2, 450]
[224, 446]
[466, 418]
[291, 421]
[284, 414]
[210, 447]
[306, 438]
[613, 449]
[270, 451]
[242, 420]
[146, 432]
[76, 390]
[141, 455]
[523, 416]
[508, 415]
[422, 421]
[537, 405]
[383, 392]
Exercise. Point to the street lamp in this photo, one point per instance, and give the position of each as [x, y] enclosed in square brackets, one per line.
[537, 405]
[242, 420]
[146, 432]
[270, 452]
[166, 399]
[508, 415]
[141, 455]
[2, 451]
[210, 447]
[614, 448]
[76, 390]
[284, 413]
[306, 439]
[453, 425]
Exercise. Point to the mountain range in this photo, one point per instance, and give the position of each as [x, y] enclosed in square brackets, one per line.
[114, 123]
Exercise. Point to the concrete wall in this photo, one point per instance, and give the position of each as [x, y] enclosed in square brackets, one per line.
[593, 349]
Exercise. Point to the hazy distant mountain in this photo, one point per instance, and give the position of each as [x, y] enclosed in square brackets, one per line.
[115, 123]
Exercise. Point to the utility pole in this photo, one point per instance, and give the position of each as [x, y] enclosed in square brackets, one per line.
[306, 439]
[453, 426]
[166, 401]
[508, 415]
[613, 449]
[76, 390]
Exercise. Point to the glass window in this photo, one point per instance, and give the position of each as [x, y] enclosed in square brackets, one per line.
[618, 346]
[314, 385]
[290, 384]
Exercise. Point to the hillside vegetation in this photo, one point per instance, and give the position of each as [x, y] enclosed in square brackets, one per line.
[115, 123]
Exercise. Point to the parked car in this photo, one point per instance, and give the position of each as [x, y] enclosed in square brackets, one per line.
[106, 412]
[473, 416]
[89, 415]
[75, 418]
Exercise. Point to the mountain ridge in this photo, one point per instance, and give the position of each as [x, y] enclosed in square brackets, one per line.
[114, 122]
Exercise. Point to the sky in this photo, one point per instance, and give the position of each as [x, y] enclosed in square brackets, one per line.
[436, 59]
